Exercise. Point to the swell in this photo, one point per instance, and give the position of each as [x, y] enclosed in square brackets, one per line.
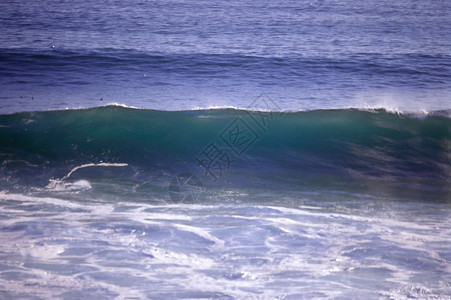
[400, 69]
[251, 144]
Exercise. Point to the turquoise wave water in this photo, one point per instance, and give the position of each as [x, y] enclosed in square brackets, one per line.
[238, 148]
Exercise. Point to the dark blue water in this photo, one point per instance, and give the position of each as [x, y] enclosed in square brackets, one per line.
[122, 175]
[175, 55]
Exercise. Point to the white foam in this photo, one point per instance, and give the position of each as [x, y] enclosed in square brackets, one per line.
[120, 105]
[5, 162]
[58, 185]
[94, 165]
[200, 232]
[34, 199]
[315, 250]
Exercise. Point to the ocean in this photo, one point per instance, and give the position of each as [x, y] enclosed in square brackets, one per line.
[225, 150]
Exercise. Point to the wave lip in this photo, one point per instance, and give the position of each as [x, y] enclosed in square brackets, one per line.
[421, 113]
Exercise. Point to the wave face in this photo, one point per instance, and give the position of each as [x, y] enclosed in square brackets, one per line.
[227, 147]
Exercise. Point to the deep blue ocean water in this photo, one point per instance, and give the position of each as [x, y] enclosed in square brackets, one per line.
[231, 150]
[172, 55]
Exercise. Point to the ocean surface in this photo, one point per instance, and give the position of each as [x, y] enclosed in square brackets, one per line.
[225, 150]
